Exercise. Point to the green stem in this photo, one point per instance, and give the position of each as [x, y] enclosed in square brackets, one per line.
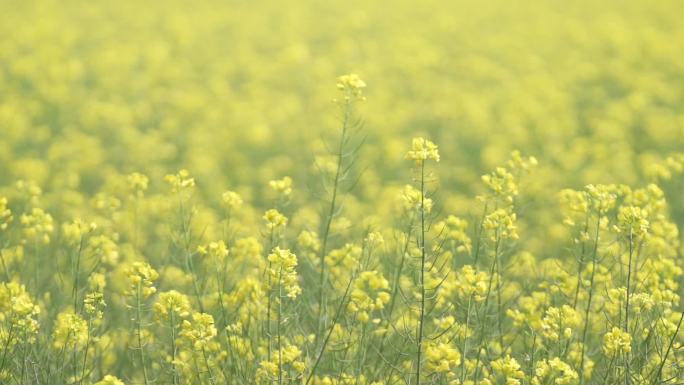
[139, 334]
[331, 214]
[587, 311]
[629, 280]
[172, 324]
[421, 283]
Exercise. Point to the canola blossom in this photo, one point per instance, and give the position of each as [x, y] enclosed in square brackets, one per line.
[341, 193]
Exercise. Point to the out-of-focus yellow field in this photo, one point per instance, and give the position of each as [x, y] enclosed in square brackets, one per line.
[563, 265]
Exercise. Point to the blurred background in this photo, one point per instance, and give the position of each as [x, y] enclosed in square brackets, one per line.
[239, 92]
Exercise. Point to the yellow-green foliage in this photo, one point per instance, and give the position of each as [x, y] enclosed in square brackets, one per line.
[328, 193]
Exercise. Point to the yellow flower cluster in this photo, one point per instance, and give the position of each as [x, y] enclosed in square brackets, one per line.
[469, 283]
[632, 221]
[141, 277]
[274, 219]
[352, 86]
[413, 200]
[110, 380]
[283, 264]
[441, 357]
[509, 369]
[137, 183]
[70, 331]
[617, 341]
[37, 225]
[455, 230]
[18, 314]
[94, 303]
[559, 323]
[180, 181]
[199, 331]
[282, 187]
[73, 232]
[556, 371]
[369, 294]
[172, 304]
[5, 214]
[231, 200]
[500, 224]
[287, 359]
[421, 150]
[215, 250]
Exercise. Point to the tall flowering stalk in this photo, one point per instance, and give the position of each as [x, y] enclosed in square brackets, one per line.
[141, 277]
[351, 86]
[172, 307]
[599, 199]
[182, 185]
[421, 151]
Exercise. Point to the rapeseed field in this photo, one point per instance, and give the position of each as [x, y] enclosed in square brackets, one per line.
[341, 193]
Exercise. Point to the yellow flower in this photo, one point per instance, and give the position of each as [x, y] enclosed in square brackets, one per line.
[282, 187]
[509, 368]
[617, 341]
[5, 214]
[172, 302]
[231, 200]
[369, 294]
[180, 181]
[137, 184]
[37, 225]
[422, 150]
[215, 250]
[73, 232]
[502, 184]
[71, 331]
[632, 221]
[559, 323]
[412, 200]
[352, 86]
[554, 369]
[283, 271]
[441, 357]
[199, 331]
[501, 224]
[18, 311]
[141, 277]
[109, 380]
[274, 219]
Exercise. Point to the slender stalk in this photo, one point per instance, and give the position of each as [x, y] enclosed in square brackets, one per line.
[580, 266]
[4, 265]
[269, 300]
[77, 273]
[172, 324]
[499, 284]
[394, 291]
[336, 318]
[478, 239]
[5, 349]
[659, 373]
[138, 326]
[331, 212]
[206, 363]
[629, 280]
[85, 353]
[587, 310]
[278, 331]
[23, 362]
[464, 350]
[421, 282]
[360, 353]
[484, 309]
